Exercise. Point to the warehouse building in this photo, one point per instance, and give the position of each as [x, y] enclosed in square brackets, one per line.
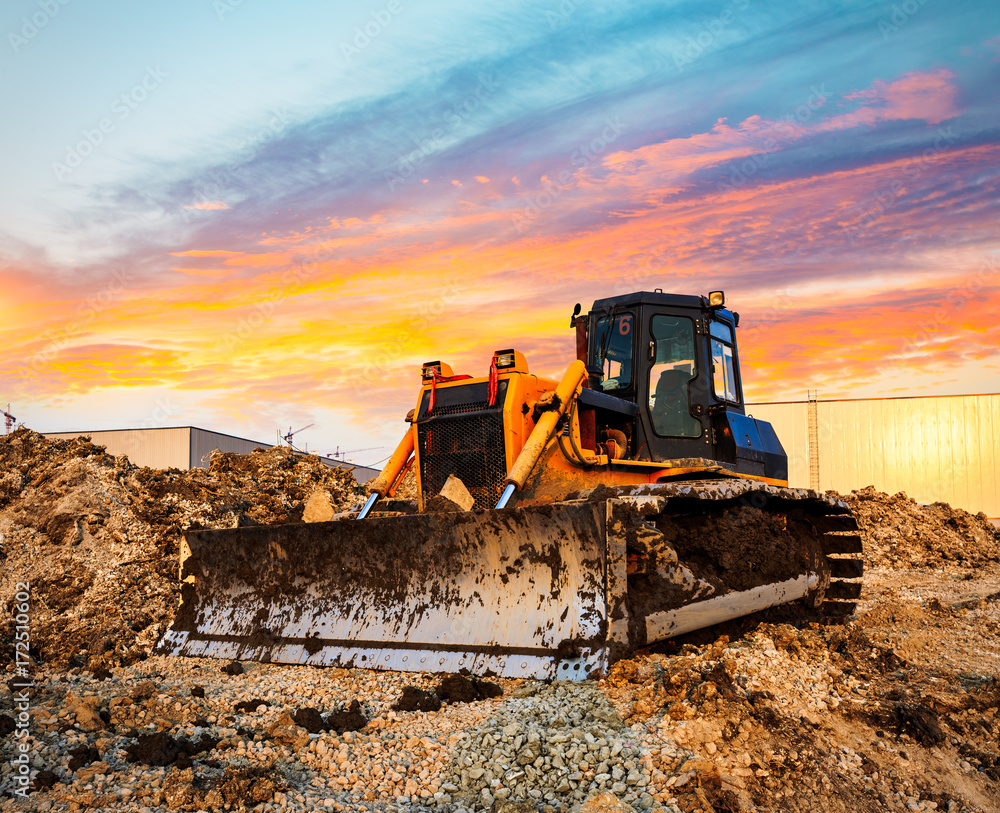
[933, 448]
[184, 447]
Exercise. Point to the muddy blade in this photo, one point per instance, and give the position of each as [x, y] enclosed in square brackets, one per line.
[513, 592]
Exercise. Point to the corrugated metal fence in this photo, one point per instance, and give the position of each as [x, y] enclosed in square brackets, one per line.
[934, 448]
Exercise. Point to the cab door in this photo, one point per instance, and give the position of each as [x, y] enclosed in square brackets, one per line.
[674, 386]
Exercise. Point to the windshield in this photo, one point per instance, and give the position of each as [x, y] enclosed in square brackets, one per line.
[613, 343]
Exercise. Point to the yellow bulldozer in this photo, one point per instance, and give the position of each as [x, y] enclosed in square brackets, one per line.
[559, 526]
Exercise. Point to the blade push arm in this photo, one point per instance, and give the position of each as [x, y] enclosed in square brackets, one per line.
[382, 484]
[543, 431]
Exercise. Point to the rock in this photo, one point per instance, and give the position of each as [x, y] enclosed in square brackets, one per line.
[517, 807]
[705, 771]
[144, 690]
[87, 774]
[285, 732]
[455, 491]
[319, 507]
[600, 802]
[528, 753]
[178, 791]
[810, 718]
[248, 786]
[87, 711]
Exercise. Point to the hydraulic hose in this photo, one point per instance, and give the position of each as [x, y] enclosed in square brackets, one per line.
[577, 459]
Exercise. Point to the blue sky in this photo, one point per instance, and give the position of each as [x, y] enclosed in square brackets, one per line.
[537, 152]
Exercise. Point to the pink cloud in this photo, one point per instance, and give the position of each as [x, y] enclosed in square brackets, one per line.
[994, 44]
[929, 97]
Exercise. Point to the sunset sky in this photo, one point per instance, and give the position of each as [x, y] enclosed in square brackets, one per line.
[245, 216]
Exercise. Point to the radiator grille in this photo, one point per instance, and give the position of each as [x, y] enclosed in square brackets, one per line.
[469, 445]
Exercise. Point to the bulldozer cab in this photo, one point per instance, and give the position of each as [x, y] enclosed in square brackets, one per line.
[674, 356]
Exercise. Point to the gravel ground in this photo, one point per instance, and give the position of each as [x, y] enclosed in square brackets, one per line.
[895, 710]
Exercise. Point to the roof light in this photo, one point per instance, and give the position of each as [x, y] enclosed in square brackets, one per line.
[432, 368]
[716, 299]
[510, 361]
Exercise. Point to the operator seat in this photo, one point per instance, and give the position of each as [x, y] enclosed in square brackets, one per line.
[670, 407]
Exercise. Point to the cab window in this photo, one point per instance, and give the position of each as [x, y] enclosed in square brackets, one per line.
[674, 366]
[723, 367]
[613, 343]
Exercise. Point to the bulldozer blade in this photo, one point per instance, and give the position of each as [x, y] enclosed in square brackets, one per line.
[512, 593]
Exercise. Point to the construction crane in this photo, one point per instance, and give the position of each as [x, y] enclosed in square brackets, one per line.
[339, 455]
[288, 438]
[9, 420]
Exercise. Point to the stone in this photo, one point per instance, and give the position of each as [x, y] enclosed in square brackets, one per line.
[600, 802]
[455, 491]
[284, 731]
[319, 507]
[86, 710]
[88, 773]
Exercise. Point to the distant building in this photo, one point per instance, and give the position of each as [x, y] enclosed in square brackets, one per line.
[940, 448]
[184, 447]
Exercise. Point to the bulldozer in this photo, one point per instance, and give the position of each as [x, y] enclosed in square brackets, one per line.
[559, 525]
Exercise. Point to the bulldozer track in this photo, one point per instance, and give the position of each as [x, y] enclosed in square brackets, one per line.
[822, 520]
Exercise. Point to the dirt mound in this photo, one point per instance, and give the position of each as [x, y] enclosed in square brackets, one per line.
[460, 689]
[899, 532]
[238, 788]
[349, 718]
[97, 538]
[818, 719]
[413, 698]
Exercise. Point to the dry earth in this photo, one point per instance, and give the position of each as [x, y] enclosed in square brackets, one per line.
[897, 709]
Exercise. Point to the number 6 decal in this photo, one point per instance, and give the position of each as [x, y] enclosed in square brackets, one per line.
[625, 325]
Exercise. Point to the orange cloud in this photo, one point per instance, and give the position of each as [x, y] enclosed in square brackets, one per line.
[205, 272]
[85, 367]
[209, 205]
[839, 274]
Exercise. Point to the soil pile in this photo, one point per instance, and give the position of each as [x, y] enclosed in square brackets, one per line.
[97, 537]
[821, 719]
[900, 532]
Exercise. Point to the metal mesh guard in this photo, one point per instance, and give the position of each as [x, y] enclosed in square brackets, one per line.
[471, 447]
